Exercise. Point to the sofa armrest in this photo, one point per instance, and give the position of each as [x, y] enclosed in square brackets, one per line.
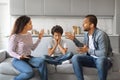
[3, 55]
[116, 63]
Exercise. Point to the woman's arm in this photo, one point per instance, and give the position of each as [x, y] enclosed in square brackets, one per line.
[13, 46]
[39, 39]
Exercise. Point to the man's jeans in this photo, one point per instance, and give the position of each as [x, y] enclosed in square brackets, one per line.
[25, 67]
[102, 64]
[56, 60]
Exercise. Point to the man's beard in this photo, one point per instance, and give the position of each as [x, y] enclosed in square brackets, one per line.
[86, 29]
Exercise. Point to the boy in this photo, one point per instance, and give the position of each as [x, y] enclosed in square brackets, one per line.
[57, 49]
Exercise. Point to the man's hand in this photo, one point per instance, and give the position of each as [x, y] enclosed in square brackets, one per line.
[83, 49]
[69, 35]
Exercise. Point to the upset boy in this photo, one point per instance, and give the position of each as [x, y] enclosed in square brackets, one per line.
[57, 48]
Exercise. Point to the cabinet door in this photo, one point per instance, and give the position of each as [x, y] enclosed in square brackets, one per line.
[34, 7]
[17, 7]
[102, 7]
[57, 7]
[79, 7]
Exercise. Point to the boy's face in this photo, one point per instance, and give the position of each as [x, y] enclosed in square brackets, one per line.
[57, 36]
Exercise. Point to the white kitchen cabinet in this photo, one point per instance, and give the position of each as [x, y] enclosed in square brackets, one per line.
[62, 7]
[17, 7]
[56, 7]
[79, 7]
[102, 7]
[34, 7]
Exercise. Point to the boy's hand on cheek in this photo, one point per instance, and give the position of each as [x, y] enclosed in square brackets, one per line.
[59, 41]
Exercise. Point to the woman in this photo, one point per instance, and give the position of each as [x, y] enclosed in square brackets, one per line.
[20, 46]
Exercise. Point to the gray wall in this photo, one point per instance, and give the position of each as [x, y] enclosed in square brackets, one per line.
[117, 16]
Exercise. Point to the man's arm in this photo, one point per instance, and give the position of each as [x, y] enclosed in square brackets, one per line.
[72, 37]
[77, 43]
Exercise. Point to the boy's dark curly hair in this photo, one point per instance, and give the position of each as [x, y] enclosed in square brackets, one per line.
[57, 29]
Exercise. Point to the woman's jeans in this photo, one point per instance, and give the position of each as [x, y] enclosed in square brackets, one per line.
[102, 64]
[57, 60]
[25, 67]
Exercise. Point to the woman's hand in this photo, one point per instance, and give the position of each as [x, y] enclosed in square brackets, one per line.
[24, 57]
[41, 34]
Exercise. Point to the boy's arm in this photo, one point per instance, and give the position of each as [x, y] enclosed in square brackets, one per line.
[51, 50]
[63, 50]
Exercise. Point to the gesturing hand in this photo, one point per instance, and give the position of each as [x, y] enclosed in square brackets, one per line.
[41, 34]
[83, 49]
[69, 35]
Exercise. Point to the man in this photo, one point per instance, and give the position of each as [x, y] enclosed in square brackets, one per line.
[96, 49]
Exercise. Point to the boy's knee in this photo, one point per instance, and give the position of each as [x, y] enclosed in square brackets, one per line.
[70, 54]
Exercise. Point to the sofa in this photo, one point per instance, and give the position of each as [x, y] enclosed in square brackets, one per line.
[60, 72]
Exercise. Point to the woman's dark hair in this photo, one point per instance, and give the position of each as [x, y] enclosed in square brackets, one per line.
[20, 24]
[92, 19]
[57, 29]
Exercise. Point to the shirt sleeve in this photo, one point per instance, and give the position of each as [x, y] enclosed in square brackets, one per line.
[34, 45]
[12, 47]
[65, 45]
[78, 43]
[50, 45]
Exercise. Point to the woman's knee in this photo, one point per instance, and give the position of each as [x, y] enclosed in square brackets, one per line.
[28, 75]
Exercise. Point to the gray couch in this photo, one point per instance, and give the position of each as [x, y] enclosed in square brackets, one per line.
[60, 72]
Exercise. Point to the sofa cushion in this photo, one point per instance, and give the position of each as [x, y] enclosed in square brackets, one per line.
[65, 68]
[7, 68]
[2, 55]
[51, 68]
[116, 63]
[68, 68]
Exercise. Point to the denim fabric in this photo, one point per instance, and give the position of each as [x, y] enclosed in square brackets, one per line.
[25, 67]
[57, 60]
[102, 64]
[101, 43]
[102, 51]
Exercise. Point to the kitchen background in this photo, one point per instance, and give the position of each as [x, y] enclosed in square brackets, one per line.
[108, 16]
[105, 23]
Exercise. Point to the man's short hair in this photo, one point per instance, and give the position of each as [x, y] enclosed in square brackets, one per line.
[92, 18]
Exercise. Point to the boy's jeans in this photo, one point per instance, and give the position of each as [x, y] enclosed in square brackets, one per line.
[58, 59]
[25, 68]
[102, 64]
